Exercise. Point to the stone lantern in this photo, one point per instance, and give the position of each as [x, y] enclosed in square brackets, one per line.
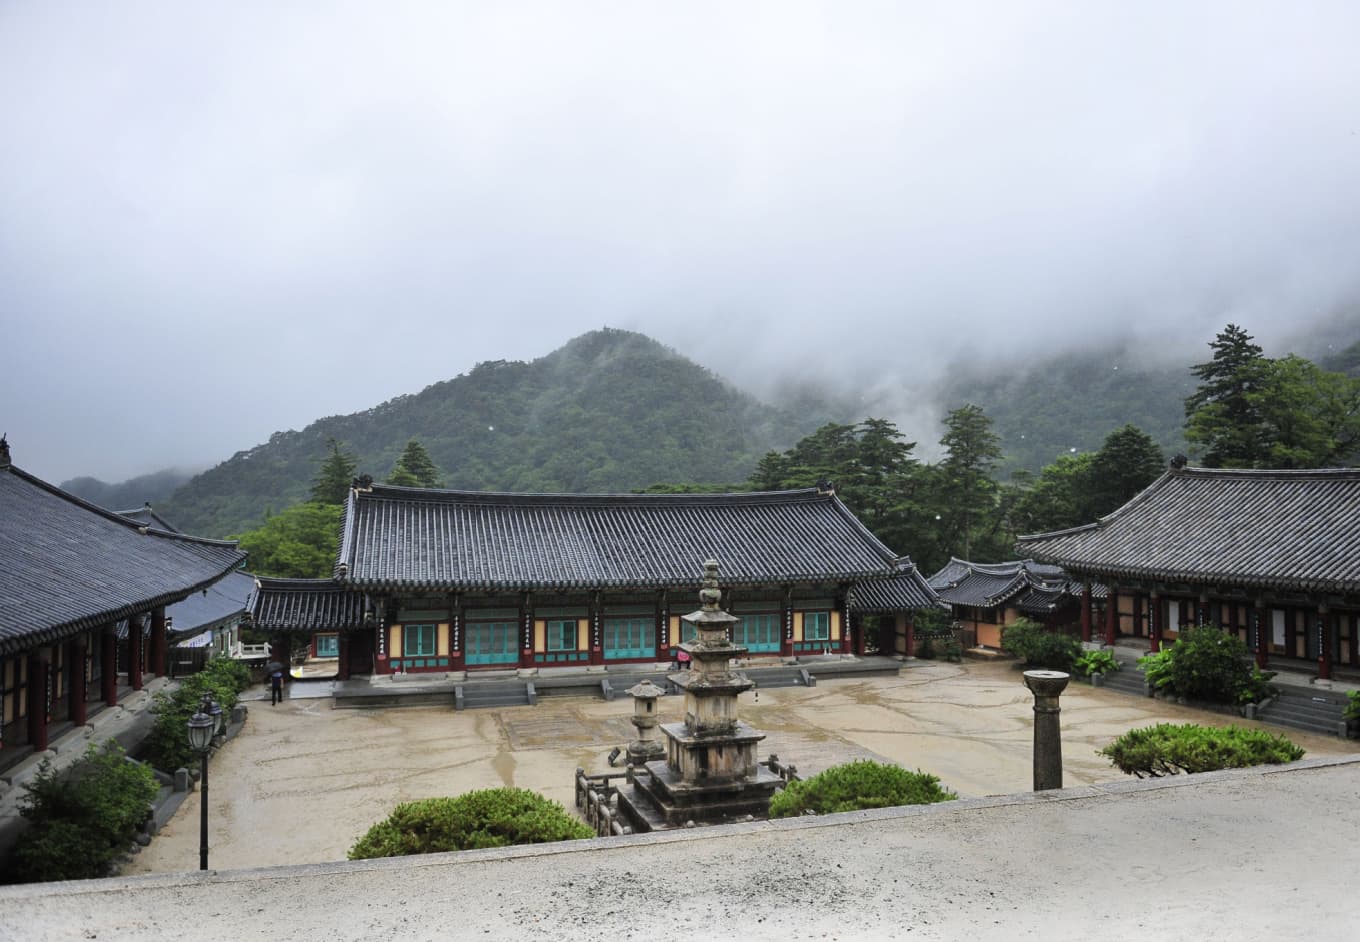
[646, 747]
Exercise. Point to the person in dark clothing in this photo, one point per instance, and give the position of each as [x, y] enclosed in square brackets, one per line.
[275, 682]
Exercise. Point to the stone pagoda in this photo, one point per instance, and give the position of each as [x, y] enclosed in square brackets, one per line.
[710, 773]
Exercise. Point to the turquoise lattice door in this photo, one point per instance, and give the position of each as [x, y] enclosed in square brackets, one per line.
[629, 638]
[758, 633]
[492, 643]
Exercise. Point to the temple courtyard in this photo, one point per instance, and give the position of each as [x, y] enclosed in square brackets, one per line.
[303, 781]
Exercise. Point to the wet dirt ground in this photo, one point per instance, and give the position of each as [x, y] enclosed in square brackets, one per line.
[302, 782]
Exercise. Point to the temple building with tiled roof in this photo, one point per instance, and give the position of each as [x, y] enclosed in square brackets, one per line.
[1273, 556]
[70, 572]
[441, 580]
[985, 597]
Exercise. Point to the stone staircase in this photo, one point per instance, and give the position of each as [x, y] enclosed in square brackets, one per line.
[1313, 711]
[491, 695]
[1128, 679]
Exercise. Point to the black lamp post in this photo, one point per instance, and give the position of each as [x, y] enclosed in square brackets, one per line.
[203, 725]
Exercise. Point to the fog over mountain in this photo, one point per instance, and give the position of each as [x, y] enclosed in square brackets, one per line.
[218, 222]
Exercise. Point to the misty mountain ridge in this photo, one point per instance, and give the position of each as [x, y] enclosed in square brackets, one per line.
[614, 410]
[130, 494]
[610, 411]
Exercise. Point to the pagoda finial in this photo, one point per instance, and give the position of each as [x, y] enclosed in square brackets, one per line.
[4, 451]
[710, 594]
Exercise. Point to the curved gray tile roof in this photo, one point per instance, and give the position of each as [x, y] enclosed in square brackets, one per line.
[396, 537]
[905, 590]
[1036, 586]
[67, 565]
[1280, 530]
[306, 605]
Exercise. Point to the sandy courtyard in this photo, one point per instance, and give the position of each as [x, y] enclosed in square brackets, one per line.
[302, 782]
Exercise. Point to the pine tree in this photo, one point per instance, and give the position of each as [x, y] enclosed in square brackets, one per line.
[966, 493]
[336, 474]
[1224, 414]
[415, 468]
[1127, 462]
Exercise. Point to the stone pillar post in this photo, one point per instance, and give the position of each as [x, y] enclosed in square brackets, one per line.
[1086, 611]
[1324, 636]
[1047, 686]
[158, 641]
[39, 700]
[1156, 613]
[135, 663]
[646, 747]
[1258, 628]
[108, 665]
[76, 690]
[1111, 615]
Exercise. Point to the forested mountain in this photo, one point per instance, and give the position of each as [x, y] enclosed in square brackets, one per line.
[134, 492]
[610, 411]
[1043, 408]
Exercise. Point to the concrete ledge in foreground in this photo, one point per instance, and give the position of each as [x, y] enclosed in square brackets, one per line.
[1190, 857]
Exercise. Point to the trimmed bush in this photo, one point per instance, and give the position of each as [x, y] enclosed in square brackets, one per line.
[855, 786]
[1095, 662]
[1208, 664]
[1169, 748]
[1036, 646]
[492, 817]
[82, 818]
[167, 745]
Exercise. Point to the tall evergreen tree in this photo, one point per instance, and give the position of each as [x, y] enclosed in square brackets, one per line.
[334, 477]
[1127, 462]
[966, 492]
[415, 468]
[1310, 416]
[1223, 415]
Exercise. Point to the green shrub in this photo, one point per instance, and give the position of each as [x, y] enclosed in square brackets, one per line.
[1168, 748]
[492, 817]
[1208, 664]
[167, 745]
[857, 785]
[1352, 706]
[1036, 646]
[80, 819]
[1095, 662]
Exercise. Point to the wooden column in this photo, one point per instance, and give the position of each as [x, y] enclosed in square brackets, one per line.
[1324, 636]
[786, 626]
[76, 690]
[596, 630]
[158, 641]
[456, 656]
[1111, 615]
[1086, 611]
[526, 630]
[911, 634]
[342, 667]
[39, 700]
[108, 665]
[845, 645]
[1138, 614]
[1156, 615]
[1259, 634]
[135, 664]
[1202, 610]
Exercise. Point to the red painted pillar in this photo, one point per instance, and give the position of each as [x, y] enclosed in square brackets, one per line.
[108, 665]
[1155, 611]
[343, 667]
[1262, 652]
[596, 632]
[846, 646]
[1324, 636]
[135, 663]
[39, 701]
[1111, 615]
[526, 630]
[76, 691]
[158, 641]
[1086, 611]
[786, 628]
[911, 634]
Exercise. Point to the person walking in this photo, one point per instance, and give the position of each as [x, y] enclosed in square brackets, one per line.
[275, 682]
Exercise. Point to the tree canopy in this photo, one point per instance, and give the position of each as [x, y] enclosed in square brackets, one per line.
[333, 479]
[299, 543]
[414, 468]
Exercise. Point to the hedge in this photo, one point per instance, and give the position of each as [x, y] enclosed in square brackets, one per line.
[855, 786]
[1169, 748]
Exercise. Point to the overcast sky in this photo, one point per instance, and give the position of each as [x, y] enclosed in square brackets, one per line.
[221, 220]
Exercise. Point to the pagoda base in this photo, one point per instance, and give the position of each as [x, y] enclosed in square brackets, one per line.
[659, 798]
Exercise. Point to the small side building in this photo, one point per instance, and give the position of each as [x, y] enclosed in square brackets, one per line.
[986, 597]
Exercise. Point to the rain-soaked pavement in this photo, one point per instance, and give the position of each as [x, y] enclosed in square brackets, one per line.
[303, 781]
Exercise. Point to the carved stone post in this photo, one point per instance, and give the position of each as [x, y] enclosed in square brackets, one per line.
[1047, 686]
